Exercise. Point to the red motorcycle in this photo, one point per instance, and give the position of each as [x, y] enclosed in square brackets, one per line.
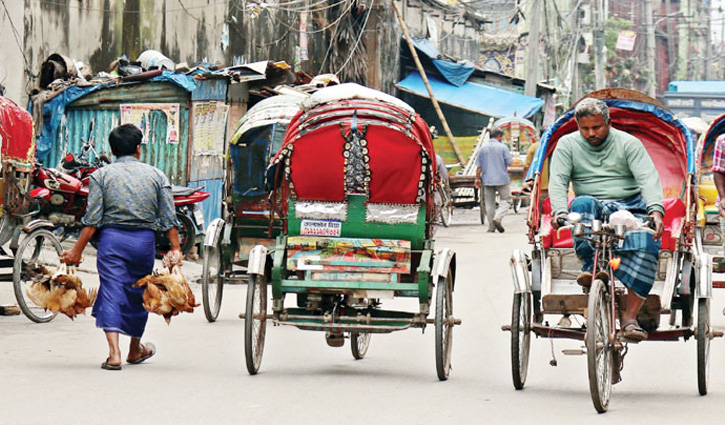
[61, 198]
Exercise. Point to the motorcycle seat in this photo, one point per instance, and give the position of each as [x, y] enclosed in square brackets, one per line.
[177, 191]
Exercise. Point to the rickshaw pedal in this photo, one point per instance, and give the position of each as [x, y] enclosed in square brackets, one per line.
[506, 328]
[716, 334]
[573, 352]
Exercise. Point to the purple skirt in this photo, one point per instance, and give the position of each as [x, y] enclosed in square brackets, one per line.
[124, 256]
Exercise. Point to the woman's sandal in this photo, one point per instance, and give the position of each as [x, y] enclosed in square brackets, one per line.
[632, 330]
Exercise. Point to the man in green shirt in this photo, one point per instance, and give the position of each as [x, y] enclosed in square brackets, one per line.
[610, 170]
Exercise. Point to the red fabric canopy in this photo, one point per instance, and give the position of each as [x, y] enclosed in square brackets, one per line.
[16, 131]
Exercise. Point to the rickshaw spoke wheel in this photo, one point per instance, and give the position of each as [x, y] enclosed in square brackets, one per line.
[39, 248]
[443, 326]
[600, 359]
[359, 343]
[703, 344]
[212, 282]
[520, 338]
[255, 322]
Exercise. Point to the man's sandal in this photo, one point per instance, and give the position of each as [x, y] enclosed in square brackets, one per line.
[632, 330]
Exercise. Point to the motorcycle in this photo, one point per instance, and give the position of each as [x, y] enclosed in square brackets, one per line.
[61, 196]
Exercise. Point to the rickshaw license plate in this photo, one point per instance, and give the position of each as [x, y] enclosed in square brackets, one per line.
[320, 228]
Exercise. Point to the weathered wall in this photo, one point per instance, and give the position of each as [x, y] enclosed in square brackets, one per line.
[98, 31]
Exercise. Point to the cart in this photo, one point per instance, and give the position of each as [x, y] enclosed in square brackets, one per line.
[545, 280]
[248, 217]
[33, 242]
[355, 181]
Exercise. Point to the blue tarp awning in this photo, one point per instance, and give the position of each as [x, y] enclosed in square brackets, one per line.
[454, 72]
[474, 97]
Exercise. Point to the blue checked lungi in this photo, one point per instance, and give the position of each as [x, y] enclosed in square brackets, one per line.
[639, 252]
[124, 256]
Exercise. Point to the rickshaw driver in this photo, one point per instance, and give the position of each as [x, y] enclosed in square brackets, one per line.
[610, 170]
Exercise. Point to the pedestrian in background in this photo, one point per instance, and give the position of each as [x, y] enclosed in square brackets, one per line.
[492, 176]
[128, 201]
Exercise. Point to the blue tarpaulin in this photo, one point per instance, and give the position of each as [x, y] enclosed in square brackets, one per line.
[474, 97]
[454, 72]
[54, 109]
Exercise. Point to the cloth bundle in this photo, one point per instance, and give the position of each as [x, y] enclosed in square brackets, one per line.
[60, 291]
[167, 293]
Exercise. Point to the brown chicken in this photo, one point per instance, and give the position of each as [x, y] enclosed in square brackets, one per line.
[167, 293]
[60, 291]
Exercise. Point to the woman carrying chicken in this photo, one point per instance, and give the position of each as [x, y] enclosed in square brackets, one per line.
[128, 202]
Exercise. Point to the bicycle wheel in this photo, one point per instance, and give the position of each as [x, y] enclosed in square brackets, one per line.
[600, 360]
[520, 338]
[212, 282]
[359, 343]
[255, 322]
[444, 326]
[446, 212]
[703, 344]
[39, 248]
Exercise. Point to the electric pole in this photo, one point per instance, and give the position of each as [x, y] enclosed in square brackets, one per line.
[650, 50]
[532, 62]
[599, 80]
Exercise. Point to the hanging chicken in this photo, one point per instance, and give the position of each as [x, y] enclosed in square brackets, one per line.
[167, 293]
[60, 290]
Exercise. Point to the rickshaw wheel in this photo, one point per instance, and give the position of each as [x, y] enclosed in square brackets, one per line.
[444, 326]
[255, 322]
[703, 344]
[39, 248]
[520, 338]
[600, 359]
[359, 343]
[212, 282]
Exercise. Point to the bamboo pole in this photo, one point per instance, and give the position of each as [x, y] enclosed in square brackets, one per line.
[437, 108]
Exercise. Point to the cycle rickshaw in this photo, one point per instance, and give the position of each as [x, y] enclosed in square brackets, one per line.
[545, 280]
[248, 217]
[355, 180]
[710, 233]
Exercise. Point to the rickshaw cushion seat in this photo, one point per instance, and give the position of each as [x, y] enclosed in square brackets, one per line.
[675, 211]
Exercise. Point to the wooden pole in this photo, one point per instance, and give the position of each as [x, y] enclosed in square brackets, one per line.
[437, 108]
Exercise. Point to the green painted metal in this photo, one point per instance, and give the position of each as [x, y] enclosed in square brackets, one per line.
[278, 264]
[423, 271]
[102, 108]
[356, 227]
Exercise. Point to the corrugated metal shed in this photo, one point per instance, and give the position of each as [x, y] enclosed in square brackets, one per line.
[102, 108]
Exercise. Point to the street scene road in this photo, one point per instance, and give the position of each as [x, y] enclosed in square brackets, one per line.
[51, 372]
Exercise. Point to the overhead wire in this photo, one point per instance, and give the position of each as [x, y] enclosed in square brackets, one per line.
[362, 31]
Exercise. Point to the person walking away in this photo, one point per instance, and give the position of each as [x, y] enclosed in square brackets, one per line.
[610, 171]
[128, 202]
[492, 175]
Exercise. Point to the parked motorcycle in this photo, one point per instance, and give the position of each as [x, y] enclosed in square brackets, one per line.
[62, 195]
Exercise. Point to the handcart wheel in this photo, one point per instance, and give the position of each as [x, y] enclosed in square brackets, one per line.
[255, 322]
[212, 282]
[444, 326]
[359, 342]
[703, 344]
[520, 338]
[600, 359]
[482, 204]
[39, 248]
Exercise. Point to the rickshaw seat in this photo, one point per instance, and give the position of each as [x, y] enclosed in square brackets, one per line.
[675, 211]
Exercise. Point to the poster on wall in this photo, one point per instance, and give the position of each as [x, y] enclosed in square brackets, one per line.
[149, 116]
[209, 126]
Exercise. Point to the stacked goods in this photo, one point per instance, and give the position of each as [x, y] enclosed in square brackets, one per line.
[60, 291]
[167, 293]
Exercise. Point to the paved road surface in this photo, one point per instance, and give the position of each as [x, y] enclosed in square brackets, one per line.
[50, 372]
